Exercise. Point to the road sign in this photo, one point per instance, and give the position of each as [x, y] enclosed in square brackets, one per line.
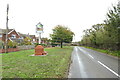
[39, 28]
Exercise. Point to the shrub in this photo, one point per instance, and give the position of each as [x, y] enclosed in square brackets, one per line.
[12, 44]
[45, 45]
[27, 41]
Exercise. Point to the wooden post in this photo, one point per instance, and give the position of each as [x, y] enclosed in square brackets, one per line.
[6, 41]
[39, 38]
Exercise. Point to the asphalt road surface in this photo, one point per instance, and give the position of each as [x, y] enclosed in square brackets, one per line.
[87, 63]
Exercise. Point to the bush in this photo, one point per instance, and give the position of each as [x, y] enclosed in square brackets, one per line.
[12, 44]
[45, 45]
[27, 41]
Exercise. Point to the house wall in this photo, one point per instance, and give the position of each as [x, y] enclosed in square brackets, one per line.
[3, 37]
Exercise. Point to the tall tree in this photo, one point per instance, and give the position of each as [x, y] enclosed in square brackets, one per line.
[106, 35]
[113, 24]
[62, 34]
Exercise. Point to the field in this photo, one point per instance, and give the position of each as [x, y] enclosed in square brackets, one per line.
[21, 65]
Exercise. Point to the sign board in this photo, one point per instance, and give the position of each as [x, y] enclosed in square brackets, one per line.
[39, 28]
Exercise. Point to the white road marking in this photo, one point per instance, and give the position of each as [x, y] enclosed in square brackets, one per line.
[83, 73]
[108, 68]
[86, 52]
[91, 56]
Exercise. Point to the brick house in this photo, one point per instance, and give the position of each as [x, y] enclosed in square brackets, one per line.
[18, 37]
[12, 35]
[32, 37]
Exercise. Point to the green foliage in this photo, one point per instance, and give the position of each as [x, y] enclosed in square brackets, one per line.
[12, 44]
[105, 35]
[27, 41]
[45, 45]
[61, 34]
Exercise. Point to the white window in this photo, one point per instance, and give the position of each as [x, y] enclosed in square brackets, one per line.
[13, 36]
[0, 35]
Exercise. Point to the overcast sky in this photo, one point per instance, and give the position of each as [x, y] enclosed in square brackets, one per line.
[77, 15]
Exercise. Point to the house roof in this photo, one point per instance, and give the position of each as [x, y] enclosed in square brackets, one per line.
[26, 35]
[3, 31]
[23, 35]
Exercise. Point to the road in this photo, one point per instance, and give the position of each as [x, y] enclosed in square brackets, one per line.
[87, 63]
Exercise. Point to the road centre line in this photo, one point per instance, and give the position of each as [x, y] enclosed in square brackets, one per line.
[108, 68]
[87, 53]
[91, 56]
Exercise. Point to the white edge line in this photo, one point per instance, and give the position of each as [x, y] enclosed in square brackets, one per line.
[109, 69]
[81, 68]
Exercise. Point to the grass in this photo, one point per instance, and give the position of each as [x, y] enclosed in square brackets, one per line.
[113, 53]
[22, 65]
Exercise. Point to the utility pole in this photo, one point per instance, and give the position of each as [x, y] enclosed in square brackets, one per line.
[6, 41]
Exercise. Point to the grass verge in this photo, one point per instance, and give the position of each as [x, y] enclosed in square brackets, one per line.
[21, 65]
[113, 53]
